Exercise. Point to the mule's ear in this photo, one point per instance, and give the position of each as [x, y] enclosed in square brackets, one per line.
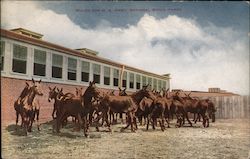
[33, 80]
[57, 89]
[54, 88]
[90, 83]
[120, 89]
[124, 89]
[40, 81]
[50, 88]
[27, 83]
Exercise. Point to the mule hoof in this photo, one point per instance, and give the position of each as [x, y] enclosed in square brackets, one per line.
[122, 130]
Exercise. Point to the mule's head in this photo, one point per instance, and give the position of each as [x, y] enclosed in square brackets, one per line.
[92, 91]
[52, 93]
[36, 87]
[176, 96]
[145, 92]
[79, 92]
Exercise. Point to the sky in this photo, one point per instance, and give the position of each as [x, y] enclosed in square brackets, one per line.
[201, 44]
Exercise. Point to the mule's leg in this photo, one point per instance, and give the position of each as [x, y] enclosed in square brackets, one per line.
[148, 119]
[194, 116]
[53, 113]
[135, 122]
[167, 122]
[37, 119]
[17, 116]
[186, 115]
[207, 118]
[31, 120]
[107, 121]
[85, 126]
[128, 123]
[153, 123]
[140, 119]
[132, 121]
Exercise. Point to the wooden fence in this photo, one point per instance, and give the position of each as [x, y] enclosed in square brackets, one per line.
[232, 107]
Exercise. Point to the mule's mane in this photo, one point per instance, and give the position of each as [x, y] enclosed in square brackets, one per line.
[137, 97]
[24, 92]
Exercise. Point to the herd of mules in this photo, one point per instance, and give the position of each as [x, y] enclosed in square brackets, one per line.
[93, 107]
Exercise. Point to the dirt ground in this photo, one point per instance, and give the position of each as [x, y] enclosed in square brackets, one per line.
[229, 139]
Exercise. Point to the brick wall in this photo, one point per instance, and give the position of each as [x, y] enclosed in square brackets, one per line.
[11, 89]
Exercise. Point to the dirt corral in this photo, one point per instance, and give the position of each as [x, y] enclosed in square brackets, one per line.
[227, 139]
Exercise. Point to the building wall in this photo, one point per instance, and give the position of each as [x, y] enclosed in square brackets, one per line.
[11, 89]
[8, 57]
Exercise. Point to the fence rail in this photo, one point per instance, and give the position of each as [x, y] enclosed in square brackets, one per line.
[232, 107]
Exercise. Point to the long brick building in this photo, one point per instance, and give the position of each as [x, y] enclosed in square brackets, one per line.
[25, 55]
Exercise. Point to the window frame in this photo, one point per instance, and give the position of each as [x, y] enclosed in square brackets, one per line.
[106, 77]
[72, 70]
[16, 59]
[2, 54]
[39, 63]
[87, 73]
[116, 78]
[57, 66]
[98, 75]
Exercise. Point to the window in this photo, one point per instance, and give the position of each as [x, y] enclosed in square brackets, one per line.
[116, 77]
[85, 71]
[2, 54]
[164, 85]
[57, 62]
[19, 59]
[159, 85]
[106, 75]
[155, 84]
[131, 80]
[39, 63]
[72, 65]
[124, 79]
[150, 83]
[138, 82]
[144, 81]
[96, 73]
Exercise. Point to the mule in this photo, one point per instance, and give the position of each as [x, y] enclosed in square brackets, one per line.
[125, 104]
[31, 107]
[19, 102]
[77, 107]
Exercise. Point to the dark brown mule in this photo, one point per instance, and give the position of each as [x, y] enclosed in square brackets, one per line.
[125, 104]
[183, 108]
[19, 102]
[210, 112]
[77, 107]
[144, 109]
[160, 109]
[193, 106]
[122, 92]
[31, 107]
[54, 94]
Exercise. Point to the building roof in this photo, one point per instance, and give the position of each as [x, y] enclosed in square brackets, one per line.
[38, 42]
[27, 33]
